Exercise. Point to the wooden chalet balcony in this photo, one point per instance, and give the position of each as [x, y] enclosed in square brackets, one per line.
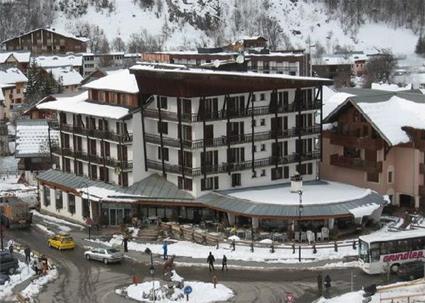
[225, 114]
[358, 164]
[96, 133]
[351, 141]
[235, 166]
[232, 140]
[83, 156]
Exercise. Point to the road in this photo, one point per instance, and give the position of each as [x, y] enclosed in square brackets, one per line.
[82, 281]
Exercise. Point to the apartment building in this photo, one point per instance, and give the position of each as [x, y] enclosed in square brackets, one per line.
[46, 41]
[12, 83]
[206, 130]
[93, 61]
[375, 139]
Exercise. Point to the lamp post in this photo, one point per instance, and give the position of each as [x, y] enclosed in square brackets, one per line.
[89, 219]
[152, 272]
[1, 230]
[297, 187]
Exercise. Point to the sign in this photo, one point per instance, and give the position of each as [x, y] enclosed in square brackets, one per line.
[187, 290]
[89, 221]
[410, 255]
[290, 298]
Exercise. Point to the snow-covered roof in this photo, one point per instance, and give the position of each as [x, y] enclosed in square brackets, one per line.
[11, 76]
[387, 112]
[32, 137]
[333, 60]
[329, 192]
[332, 99]
[390, 87]
[386, 235]
[364, 210]
[120, 81]
[22, 57]
[199, 71]
[78, 105]
[58, 60]
[52, 30]
[66, 75]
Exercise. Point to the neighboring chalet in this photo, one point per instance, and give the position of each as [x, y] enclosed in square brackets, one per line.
[257, 42]
[12, 83]
[92, 61]
[46, 41]
[67, 78]
[376, 139]
[64, 61]
[20, 60]
[336, 68]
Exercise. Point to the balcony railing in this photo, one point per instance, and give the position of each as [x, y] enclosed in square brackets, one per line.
[95, 133]
[352, 141]
[107, 161]
[355, 163]
[235, 166]
[233, 139]
[224, 114]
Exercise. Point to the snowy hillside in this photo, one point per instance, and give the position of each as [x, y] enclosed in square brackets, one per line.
[184, 24]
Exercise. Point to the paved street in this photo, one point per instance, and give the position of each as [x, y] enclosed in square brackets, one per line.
[81, 281]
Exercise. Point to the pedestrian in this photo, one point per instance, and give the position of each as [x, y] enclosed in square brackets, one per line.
[165, 249]
[11, 248]
[224, 263]
[40, 266]
[214, 280]
[233, 245]
[210, 261]
[27, 252]
[125, 243]
[327, 285]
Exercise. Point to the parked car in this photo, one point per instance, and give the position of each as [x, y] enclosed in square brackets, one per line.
[411, 271]
[8, 263]
[3, 279]
[61, 241]
[105, 255]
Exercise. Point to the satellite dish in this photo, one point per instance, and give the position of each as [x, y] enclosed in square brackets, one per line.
[240, 59]
[216, 63]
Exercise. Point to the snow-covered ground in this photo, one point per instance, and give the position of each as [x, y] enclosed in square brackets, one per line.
[63, 225]
[398, 293]
[201, 292]
[24, 273]
[242, 253]
[36, 285]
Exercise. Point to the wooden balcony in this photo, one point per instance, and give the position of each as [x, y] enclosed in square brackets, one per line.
[95, 133]
[357, 164]
[351, 141]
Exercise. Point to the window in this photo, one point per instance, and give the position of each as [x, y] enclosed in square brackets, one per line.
[263, 147]
[286, 172]
[163, 154]
[390, 177]
[209, 183]
[305, 169]
[78, 168]
[58, 197]
[253, 98]
[184, 183]
[262, 97]
[67, 165]
[263, 122]
[162, 103]
[104, 174]
[263, 172]
[123, 180]
[276, 173]
[254, 123]
[93, 170]
[236, 180]
[163, 127]
[46, 192]
[71, 203]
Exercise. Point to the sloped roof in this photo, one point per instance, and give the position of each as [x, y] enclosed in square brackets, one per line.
[66, 75]
[22, 57]
[52, 30]
[225, 201]
[32, 137]
[58, 61]
[387, 112]
[119, 81]
[12, 76]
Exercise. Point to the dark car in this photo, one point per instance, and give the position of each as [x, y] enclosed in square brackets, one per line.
[8, 263]
[411, 271]
[3, 279]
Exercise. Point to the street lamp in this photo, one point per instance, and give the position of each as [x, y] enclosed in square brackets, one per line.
[1, 229]
[152, 272]
[297, 187]
[89, 220]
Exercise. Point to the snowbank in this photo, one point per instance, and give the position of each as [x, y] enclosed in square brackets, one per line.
[36, 285]
[6, 291]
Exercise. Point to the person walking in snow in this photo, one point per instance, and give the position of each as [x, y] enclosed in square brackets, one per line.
[125, 243]
[210, 261]
[10, 244]
[224, 263]
[165, 249]
[27, 252]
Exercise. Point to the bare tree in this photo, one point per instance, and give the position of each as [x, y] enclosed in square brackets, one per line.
[379, 69]
[118, 45]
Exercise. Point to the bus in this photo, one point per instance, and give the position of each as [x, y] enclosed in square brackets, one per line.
[386, 250]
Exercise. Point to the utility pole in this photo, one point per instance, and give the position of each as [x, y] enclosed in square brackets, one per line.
[1, 229]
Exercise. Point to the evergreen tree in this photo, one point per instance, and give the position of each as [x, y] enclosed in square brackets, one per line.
[40, 83]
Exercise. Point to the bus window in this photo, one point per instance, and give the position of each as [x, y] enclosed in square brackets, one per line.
[363, 251]
[374, 252]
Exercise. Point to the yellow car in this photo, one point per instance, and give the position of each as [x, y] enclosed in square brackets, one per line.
[61, 241]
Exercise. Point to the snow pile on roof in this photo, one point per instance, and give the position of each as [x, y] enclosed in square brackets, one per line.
[21, 57]
[390, 116]
[78, 105]
[364, 210]
[58, 61]
[326, 193]
[332, 99]
[390, 87]
[201, 292]
[66, 75]
[96, 193]
[32, 138]
[12, 76]
[121, 81]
